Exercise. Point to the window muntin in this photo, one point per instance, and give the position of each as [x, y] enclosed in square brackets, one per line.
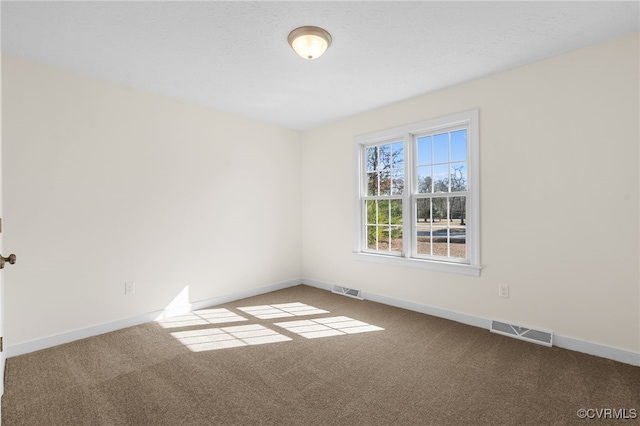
[417, 198]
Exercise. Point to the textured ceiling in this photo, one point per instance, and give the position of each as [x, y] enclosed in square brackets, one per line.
[233, 56]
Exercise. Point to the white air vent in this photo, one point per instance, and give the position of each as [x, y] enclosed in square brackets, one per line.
[356, 294]
[523, 333]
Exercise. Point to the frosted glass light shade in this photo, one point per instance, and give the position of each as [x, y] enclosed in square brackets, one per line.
[309, 42]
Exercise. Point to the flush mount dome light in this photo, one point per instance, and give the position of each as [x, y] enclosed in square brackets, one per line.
[309, 42]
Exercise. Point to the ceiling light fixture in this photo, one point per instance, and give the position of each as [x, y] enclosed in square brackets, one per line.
[309, 42]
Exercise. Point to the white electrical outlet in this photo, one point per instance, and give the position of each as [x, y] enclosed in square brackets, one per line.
[129, 288]
[503, 291]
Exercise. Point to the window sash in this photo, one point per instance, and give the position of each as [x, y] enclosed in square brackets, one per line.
[447, 225]
[388, 227]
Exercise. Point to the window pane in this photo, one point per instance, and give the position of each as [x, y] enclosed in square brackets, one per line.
[423, 211]
[396, 212]
[396, 238]
[397, 183]
[372, 237]
[383, 238]
[441, 148]
[441, 178]
[423, 242]
[371, 212]
[372, 158]
[383, 212]
[457, 211]
[423, 226]
[424, 150]
[458, 177]
[372, 183]
[459, 145]
[458, 227]
[458, 239]
[424, 180]
[438, 210]
[385, 183]
[439, 236]
[384, 157]
[397, 155]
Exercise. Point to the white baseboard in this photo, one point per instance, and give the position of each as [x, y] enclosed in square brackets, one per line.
[615, 354]
[570, 343]
[411, 306]
[71, 336]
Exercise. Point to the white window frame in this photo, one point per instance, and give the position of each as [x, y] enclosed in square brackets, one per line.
[408, 134]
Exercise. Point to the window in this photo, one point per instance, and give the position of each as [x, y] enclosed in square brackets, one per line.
[417, 195]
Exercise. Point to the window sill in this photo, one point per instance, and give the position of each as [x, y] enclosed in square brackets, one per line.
[432, 265]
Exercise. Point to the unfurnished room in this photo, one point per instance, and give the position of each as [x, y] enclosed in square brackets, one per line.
[320, 213]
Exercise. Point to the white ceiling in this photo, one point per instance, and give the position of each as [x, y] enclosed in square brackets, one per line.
[234, 56]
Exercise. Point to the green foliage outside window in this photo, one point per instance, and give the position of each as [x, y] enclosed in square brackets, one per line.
[384, 217]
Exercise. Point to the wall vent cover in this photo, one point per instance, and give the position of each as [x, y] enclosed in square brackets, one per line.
[351, 292]
[523, 333]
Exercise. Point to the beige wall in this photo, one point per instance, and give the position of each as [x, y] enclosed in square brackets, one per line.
[559, 198]
[106, 185]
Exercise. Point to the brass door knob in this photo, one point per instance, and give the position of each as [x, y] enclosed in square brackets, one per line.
[11, 259]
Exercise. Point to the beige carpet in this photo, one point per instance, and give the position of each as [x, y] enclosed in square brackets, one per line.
[359, 363]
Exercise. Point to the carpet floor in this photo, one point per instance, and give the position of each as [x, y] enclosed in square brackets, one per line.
[304, 356]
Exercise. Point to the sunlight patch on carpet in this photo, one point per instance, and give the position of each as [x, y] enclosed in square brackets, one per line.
[282, 310]
[201, 317]
[325, 327]
[210, 339]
